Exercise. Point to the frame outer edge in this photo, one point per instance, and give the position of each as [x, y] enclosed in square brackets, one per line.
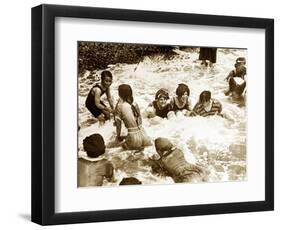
[48, 115]
[43, 123]
[36, 114]
[269, 129]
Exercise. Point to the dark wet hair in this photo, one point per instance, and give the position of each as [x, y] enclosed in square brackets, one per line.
[94, 145]
[105, 74]
[240, 61]
[163, 144]
[182, 88]
[162, 93]
[126, 93]
[205, 96]
[130, 181]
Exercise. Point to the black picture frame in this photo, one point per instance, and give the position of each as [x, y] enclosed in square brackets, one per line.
[43, 114]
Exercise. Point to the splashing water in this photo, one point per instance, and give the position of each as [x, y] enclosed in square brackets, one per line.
[218, 144]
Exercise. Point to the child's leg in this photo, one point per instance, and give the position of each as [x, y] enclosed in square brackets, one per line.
[95, 111]
[204, 62]
[105, 113]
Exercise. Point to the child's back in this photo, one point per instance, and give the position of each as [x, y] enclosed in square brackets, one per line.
[173, 161]
[93, 173]
[93, 168]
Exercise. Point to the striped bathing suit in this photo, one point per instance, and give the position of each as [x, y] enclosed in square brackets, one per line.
[216, 109]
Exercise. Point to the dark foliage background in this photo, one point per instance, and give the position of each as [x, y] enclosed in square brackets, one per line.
[97, 55]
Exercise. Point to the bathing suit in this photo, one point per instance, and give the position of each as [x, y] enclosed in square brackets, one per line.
[178, 168]
[90, 101]
[215, 109]
[175, 106]
[161, 112]
[136, 137]
[237, 85]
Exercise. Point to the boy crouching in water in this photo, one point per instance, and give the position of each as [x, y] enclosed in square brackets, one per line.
[172, 161]
[93, 102]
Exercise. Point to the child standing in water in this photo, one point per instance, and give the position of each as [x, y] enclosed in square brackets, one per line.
[128, 111]
[93, 101]
[181, 102]
[208, 54]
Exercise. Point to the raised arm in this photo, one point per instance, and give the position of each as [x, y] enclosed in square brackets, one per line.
[118, 121]
[109, 98]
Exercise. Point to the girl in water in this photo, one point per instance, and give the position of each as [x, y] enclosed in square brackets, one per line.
[160, 107]
[128, 111]
[181, 102]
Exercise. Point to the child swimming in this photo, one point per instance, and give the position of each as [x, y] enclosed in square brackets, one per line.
[173, 162]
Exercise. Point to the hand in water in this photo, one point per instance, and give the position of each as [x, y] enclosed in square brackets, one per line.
[154, 157]
[192, 114]
[101, 120]
[109, 110]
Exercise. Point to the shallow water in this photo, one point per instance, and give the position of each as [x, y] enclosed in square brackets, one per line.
[218, 144]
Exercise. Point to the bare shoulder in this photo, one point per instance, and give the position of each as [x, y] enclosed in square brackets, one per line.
[121, 107]
[125, 105]
[96, 90]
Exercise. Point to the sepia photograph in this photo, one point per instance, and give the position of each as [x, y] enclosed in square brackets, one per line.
[151, 114]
